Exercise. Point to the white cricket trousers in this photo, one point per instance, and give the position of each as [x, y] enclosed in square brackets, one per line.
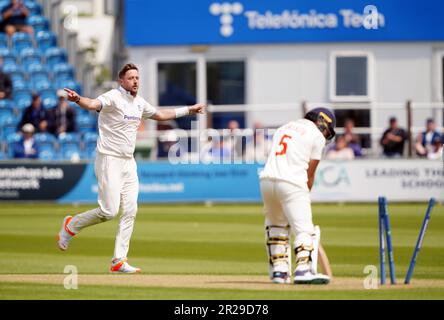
[118, 186]
[287, 204]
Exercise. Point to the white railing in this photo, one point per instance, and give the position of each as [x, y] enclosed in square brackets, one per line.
[411, 116]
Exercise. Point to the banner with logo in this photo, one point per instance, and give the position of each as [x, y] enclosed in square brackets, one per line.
[165, 182]
[178, 22]
[355, 181]
[38, 181]
[365, 180]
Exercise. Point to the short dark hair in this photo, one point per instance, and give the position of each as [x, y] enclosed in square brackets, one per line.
[35, 96]
[126, 68]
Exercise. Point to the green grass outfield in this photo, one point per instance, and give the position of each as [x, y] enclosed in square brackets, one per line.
[220, 240]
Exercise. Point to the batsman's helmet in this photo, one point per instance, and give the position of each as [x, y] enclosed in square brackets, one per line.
[325, 119]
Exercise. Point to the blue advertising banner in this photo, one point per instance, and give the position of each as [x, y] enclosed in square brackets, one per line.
[178, 22]
[164, 182]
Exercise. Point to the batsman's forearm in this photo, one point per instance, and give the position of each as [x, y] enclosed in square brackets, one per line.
[310, 183]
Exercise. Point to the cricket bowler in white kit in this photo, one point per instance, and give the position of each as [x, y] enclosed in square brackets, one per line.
[120, 113]
[286, 182]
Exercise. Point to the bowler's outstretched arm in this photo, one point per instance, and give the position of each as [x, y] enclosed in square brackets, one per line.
[83, 102]
[173, 113]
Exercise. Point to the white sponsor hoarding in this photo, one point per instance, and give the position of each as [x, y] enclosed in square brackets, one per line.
[365, 180]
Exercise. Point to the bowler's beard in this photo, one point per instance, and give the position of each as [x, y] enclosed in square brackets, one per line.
[131, 91]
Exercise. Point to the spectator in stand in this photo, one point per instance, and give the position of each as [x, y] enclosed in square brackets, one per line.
[26, 147]
[5, 83]
[62, 118]
[341, 150]
[352, 139]
[14, 18]
[393, 139]
[35, 114]
[426, 141]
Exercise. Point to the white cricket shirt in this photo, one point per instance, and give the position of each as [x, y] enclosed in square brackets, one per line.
[119, 119]
[294, 145]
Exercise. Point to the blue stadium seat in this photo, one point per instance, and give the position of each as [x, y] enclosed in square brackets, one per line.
[5, 113]
[9, 129]
[46, 143]
[69, 138]
[34, 7]
[90, 137]
[71, 153]
[6, 109]
[89, 154]
[90, 143]
[39, 80]
[11, 67]
[69, 145]
[22, 98]
[55, 56]
[47, 153]
[34, 67]
[11, 139]
[29, 56]
[6, 103]
[3, 40]
[6, 117]
[39, 23]
[21, 85]
[86, 123]
[69, 141]
[49, 98]
[21, 40]
[41, 85]
[45, 138]
[16, 73]
[3, 156]
[18, 79]
[45, 40]
[9, 56]
[63, 72]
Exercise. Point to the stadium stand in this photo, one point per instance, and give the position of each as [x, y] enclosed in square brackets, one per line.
[37, 64]
[9, 56]
[3, 40]
[45, 40]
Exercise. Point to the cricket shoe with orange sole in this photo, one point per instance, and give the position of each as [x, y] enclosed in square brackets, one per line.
[65, 235]
[122, 266]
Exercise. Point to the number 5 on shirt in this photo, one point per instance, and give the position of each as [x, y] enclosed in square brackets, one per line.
[283, 143]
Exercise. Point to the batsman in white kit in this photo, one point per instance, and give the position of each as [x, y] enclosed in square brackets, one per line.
[285, 183]
[120, 113]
